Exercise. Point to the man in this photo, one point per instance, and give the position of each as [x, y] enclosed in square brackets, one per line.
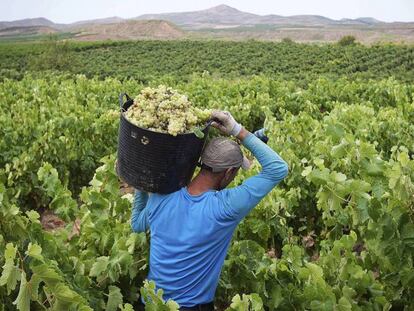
[191, 229]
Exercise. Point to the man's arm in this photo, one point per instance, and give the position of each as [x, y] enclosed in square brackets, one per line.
[239, 201]
[139, 215]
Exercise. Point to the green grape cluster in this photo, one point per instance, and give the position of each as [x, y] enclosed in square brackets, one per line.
[164, 110]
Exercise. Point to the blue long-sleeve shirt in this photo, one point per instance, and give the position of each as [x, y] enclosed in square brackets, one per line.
[190, 234]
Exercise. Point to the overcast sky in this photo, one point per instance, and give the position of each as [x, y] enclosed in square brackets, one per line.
[66, 11]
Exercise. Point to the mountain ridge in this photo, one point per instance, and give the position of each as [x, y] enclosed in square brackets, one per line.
[221, 22]
[227, 15]
[221, 14]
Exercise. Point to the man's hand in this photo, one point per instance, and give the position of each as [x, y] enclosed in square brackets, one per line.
[225, 122]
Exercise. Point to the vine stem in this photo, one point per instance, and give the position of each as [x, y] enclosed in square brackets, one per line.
[45, 300]
[48, 299]
[104, 182]
[21, 261]
[101, 281]
[140, 260]
[30, 284]
[41, 304]
[339, 197]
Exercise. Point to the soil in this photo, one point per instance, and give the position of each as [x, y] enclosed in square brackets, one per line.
[50, 221]
[125, 188]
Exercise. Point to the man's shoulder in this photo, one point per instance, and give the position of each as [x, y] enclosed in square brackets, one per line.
[159, 197]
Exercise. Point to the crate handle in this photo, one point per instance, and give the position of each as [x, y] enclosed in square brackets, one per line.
[121, 100]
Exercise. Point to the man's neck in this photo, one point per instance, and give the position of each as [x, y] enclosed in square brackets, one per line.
[200, 184]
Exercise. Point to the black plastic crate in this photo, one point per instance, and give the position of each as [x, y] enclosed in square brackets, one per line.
[152, 161]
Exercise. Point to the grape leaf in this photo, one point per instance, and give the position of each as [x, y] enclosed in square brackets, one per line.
[11, 273]
[99, 266]
[344, 304]
[22, 301]
[47, 274]
[35, 251]
[114, 298]
[127, 307]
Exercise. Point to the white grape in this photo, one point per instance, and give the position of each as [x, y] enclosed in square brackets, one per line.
[164, 110]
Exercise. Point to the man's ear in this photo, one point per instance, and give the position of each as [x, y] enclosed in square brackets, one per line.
[229, 172]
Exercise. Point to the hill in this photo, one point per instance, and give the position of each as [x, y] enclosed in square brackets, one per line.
[26, 31]
[40, 21]
[129, 30]
[224, 15]
[224, 22]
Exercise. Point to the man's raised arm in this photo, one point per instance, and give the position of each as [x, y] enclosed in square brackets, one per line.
[240, 200]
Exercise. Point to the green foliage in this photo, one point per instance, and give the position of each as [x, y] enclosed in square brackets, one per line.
[287, 40]
[337, 234]
[54, 54]
[114, 299]
[179, 60]
[347, 40]
[11, 273]
[153, 299]
[247, 302]
[63, 269]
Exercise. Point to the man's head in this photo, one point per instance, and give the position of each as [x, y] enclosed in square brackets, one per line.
[221, 160]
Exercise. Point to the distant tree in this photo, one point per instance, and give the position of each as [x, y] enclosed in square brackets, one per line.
[347, 40]
[55, 55]
[287, 40]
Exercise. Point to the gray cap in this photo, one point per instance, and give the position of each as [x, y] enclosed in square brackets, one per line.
[222, 153]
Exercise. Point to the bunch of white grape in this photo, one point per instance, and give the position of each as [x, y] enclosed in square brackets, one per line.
[164, 110]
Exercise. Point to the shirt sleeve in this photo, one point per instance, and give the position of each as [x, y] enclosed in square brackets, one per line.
[139, 215]
[239, 201]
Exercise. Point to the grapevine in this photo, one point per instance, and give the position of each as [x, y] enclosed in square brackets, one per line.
[337, 234]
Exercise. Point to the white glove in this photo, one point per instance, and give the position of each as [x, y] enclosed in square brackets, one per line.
[225, 122]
